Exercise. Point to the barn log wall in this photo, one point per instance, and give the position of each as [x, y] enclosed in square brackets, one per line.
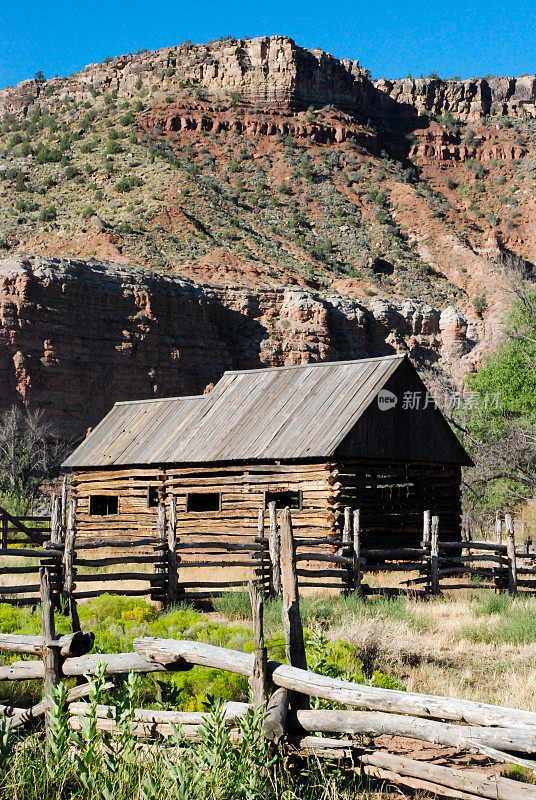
[134, 519]
[219, 548]
[392, 496]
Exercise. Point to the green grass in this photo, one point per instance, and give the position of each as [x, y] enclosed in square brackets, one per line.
[501, 620]
[324, 613]
[116, 621]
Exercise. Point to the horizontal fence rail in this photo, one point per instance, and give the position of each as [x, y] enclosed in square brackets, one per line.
[168, 569]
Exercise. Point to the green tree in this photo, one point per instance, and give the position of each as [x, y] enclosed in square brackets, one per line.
[498, 418]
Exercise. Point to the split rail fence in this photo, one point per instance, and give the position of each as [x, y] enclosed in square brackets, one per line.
[168, 569]
[282, 692]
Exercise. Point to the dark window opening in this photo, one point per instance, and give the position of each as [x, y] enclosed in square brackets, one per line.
[102, 505]
[203, 501]
[153, 496]
[284, 499]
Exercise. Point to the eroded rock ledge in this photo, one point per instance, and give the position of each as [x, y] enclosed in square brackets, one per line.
[77, 335]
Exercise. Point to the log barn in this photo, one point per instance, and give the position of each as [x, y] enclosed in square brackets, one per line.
[314, 437]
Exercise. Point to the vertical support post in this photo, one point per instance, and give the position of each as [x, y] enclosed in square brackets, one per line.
[69, 569]
[161, 568]
[262, 560]
[426, 517]
[426, 569]
[356, 550]
[258, 679]
[56, 538]
[498, 528]
[5, 522]
[524, 535]
[347, 526]
[511, 553]
[292, 624]
[64, 508]
[434, 556]
[173, 577]
[55, 519]
[274, 546]
[51, 652]
[346, 541]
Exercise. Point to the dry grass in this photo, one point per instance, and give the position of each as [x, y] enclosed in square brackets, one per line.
[451, 645]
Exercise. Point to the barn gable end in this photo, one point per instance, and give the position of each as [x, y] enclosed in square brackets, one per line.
[412, 430]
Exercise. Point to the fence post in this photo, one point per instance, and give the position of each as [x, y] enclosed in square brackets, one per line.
[274, 546]
[356, 551]
[426, 569]
[161, 565]
[498, 528]
[263, 567]
[55, 519]
[64, 510]
[258, 679]
[173, 578]
[51, 651]
[434, 556]
[68, 567]
[524, 535]
[511, 553]
[346, 535]
[426, 528]
[4, 530]
[292, 624]
[346, 543]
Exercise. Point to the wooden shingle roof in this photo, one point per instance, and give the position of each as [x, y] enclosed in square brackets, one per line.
[290, 412]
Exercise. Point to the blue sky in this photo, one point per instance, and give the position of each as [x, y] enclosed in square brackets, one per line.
[460, 37]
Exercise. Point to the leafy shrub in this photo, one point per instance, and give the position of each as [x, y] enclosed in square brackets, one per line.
[112, 147]
[48, 214]
[128, 182]
[45, 155]
[20, 182]
[124, 227]
[480, 304]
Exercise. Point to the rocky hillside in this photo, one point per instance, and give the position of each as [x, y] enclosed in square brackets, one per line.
[167, 215]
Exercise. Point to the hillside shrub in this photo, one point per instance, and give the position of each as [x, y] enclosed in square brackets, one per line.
[48, 214]
[127, 183]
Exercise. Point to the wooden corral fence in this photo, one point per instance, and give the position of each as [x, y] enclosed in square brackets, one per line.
[168, 569]
[25, 546]
[282, 692]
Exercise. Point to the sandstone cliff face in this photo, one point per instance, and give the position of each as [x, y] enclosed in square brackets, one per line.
[268, 69]
[76, 335]
[468, 99]
[273, 69]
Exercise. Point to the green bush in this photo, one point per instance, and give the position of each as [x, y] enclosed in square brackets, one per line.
[48, 214]
[113, 147]
[127, 183]
[20, 182]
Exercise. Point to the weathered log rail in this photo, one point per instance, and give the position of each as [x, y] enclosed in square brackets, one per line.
[283, 690]
[168, 569]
